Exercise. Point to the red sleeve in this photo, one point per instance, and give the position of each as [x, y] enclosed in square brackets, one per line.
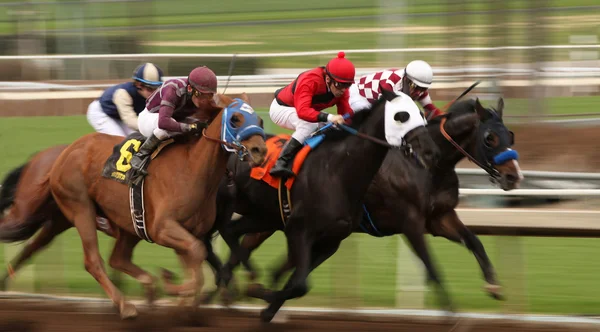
[303, 100]
[165, 113]
[343, 104]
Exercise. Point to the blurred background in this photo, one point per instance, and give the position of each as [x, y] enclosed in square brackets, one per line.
[541, 56]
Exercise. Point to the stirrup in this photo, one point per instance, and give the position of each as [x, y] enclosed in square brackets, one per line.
[284, 172]
[137, 175]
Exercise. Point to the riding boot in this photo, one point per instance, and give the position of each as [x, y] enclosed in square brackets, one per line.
[138, 160]
[283, 165]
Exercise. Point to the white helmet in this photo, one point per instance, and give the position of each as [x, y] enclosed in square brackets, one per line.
[420, 73]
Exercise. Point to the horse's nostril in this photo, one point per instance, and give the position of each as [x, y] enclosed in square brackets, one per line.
[255, 150]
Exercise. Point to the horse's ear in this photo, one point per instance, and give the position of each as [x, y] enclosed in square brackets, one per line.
[223, 100]
[500, 107]
[389, 95]
[481, 111]
[261, 122]
[245, 98]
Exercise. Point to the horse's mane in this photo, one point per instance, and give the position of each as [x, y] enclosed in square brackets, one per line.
[457, 109]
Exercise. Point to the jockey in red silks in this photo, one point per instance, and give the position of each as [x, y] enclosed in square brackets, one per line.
[175, 100]
[414, 80]
[298, 106]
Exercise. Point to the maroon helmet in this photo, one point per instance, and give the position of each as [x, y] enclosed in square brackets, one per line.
[203, 79]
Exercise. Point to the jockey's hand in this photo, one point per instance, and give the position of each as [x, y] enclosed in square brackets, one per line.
[336, 119]
[432, 114]
[195, 127]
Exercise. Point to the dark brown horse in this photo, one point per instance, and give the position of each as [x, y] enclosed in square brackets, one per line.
[327, 194]
[82, 194]
[403, 199]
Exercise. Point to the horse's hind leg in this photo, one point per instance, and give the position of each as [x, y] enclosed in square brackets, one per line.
[120, 260]
[83, 216]
[416, 237]
[49, 231]
[451, 227]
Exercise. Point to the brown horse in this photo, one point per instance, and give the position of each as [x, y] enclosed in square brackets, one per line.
[26, 200]
[82, 194]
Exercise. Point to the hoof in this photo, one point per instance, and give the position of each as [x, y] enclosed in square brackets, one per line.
[495, 291]
[127, 310]
[227, 297]
[167, 275]
[266, 316]
[252, 276]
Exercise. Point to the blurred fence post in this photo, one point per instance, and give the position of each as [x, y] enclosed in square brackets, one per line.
[538, 36]
[24, 280]
[390, 14]
[50, 269]
[512, 266]
[410, 278]
[345, 274]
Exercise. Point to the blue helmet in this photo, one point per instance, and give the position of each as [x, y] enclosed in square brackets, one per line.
[149, 74]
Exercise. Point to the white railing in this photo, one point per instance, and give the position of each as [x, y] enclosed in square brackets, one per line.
[296, 54]
[530, 192]
[538, 174]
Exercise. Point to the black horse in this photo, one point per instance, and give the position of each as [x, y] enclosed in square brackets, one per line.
[401, 198]
[328, 192]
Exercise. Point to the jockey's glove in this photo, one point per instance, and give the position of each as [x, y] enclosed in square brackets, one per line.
[195, 127]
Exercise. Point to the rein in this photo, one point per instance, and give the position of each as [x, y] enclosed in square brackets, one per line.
[490, 170]
[237, 147]
[404, 146]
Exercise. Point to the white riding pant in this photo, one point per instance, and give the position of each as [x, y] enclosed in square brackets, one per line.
[357, 102]
[148, 125]
[103, 123]
[287, 117]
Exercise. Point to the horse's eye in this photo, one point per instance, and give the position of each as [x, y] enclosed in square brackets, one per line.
[488, 139]
[234, 121]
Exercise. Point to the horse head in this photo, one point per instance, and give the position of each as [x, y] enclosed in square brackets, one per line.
[242, 130]
[490, 141]
[404, 123]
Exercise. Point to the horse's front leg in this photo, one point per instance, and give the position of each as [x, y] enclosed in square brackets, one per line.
[416, 237]
[231, 232]
[297, 285]
[190, 251]
[450, 226]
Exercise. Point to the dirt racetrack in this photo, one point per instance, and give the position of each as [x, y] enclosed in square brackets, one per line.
[47, 315]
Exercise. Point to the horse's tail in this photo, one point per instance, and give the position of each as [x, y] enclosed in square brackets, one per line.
[22, 222]
[9, 187]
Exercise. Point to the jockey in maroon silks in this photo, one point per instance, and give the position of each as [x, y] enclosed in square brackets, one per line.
[175, 100]
[298, 106]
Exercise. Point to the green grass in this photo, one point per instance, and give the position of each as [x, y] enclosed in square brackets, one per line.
[313, 36]
[558, 277]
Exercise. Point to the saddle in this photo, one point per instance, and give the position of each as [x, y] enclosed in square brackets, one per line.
[117, 168]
